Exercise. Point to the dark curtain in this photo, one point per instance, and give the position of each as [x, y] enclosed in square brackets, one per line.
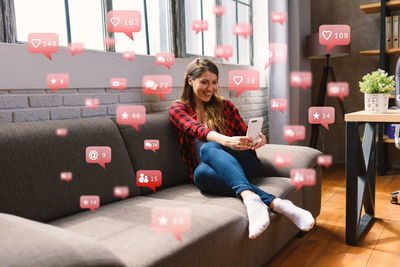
[8, 31]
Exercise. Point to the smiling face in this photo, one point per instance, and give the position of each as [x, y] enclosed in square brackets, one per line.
[204, 86]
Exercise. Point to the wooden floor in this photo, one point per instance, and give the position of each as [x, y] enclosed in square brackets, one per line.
[325, 244]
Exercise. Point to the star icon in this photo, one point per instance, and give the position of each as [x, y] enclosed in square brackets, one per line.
[125, 116]
[53, 81]
[162, 220]
[316, 115]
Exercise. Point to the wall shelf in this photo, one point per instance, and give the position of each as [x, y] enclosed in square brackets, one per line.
[376, 7]
[375, 52]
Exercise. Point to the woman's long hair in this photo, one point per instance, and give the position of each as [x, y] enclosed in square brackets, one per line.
[214, 107]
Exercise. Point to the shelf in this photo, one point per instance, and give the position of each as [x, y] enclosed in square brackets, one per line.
[376, 7]
[385, 139]
[375, 52]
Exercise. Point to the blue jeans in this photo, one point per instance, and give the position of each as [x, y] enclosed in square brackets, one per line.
[225, 172]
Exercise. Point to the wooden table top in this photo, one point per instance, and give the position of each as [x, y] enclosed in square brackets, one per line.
[392, 115]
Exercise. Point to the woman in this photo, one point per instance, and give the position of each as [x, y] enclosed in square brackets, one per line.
[216, 152]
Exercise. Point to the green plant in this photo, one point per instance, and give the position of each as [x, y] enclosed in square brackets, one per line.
[377, 82]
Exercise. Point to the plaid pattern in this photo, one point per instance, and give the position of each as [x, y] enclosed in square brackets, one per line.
[183, 118]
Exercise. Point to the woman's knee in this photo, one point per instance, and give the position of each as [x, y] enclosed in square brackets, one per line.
[206, 148]
[201, 175]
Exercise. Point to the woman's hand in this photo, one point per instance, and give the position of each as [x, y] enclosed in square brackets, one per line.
[262, 140]
[239, 142]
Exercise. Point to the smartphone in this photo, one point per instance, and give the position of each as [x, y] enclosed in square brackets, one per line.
[254, 128]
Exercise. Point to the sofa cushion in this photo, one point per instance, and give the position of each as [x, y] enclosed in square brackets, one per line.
[33, 157]
[29, 243]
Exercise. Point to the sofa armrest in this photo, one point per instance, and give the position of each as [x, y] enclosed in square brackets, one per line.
[28, 243]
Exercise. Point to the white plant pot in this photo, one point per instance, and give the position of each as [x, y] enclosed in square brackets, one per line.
[376, 103]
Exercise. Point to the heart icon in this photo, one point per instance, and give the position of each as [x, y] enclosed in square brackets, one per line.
[35, 42]
[115, 21]
[237, 79]
[327, 34]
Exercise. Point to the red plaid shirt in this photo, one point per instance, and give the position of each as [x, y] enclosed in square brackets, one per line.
[183, 118]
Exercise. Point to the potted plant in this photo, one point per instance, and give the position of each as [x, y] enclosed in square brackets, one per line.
[376, 87]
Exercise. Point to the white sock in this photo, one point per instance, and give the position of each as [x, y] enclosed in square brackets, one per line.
[258, 215]
[300, 217]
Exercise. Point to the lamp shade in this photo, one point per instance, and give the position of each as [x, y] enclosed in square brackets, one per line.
[314, 50]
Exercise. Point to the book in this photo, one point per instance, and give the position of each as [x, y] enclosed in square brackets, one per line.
[395, 32]
[388, 32]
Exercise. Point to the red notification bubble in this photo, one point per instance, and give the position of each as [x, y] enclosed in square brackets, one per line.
[165, 59]
[66, 176]
[321, 115]
[199, 25]
[279, 104]
[133, 115]
[62, 132]
[331, 35]
[92, 103]
[91, 202]
[109, 42]
[151, 144]
[43, 43]
[324, 160]
[338, 89]
[149, 178]
[174, 220]
[56, 81]
[302, 177]
[277, 52]
[282, 160]
[241, 80]
[279, 17]
[121, 191]
[125, 21]
[157, 85]
[75, 48]
[219, 10]
[242, 29]
[301, 79]
[223, 51]
[129, 55]
[294, 132]
[118, 83]
[98, 154]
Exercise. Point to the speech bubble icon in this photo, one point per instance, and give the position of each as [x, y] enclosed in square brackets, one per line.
[109, 42]
[125, 21]
[294, 132]
[121, 191]
[279, 104]
[157, 85]
[149, 178]
[174, 220]
[118, 83]
[324, 160]
[92, 103]
[241, 80]
[151, 144]
[75, 48]
[223, 51]
[302, 177]
[56, 81]
[165, 59]
[279, 17]
[338, 89]
[282, 160]
[219, 10]
[331, 35]
[199, 25]
[133, 115]
[242, 29]
[277, 52]
[43, 43]
[321, 115]
[62, 132]
[91, 202]
[301, 79]
[66, 176]
[98, 154]
[129, 55]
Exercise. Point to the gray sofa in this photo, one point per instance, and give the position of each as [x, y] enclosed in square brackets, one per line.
[42, 224]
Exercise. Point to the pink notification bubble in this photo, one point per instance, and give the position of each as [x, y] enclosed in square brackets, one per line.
[279, 17]
[133, 115]
[56, 81]
[294, 132]
[66, 176]
[223, 51]
[157, 85]
[241, 80]
[174, 220]
[91, 202]
[62, 132]
[331, 35]
[149, 178]
[277, 52]
[129, 55]
[242, 29]
[302, 177]
[125, 21]
[121, 191]
[98, 154]
[219, 10]
[165, 59]
[43, 43]
[338, 89]
[279, 104]
[92, 103]
[324, 160]
[282, 160]
[151, 144]
[118, 83]
[109, 42]
[199, 25]
[75, 48]
[321, 115]
[301, 79]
